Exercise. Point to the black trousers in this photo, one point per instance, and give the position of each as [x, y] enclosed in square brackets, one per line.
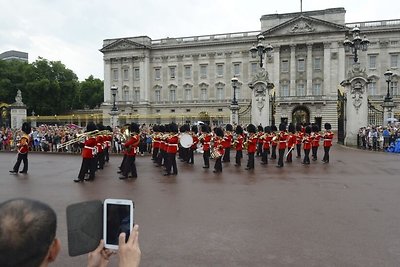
[106, 155]
[123, 162]
[218, 164]
[326, 153]
[155, 153]
[273, 152]
[314, 150]
[129, 166]
[24, 159]
[250, 162]
[259, 149]
[100, 158]
[206, 158]
[238, 157]
[298, 147]
[227, 155]
[306, 159]
[191, 155]
[171, 164]
[280, 159]
[264, 156]
[88, 165]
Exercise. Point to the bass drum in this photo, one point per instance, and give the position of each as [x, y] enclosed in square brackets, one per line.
[186, 140]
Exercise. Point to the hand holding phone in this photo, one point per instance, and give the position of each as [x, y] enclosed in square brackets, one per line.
[129, 251]
[118, 218]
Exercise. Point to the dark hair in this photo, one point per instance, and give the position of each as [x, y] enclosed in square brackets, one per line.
[27, 229]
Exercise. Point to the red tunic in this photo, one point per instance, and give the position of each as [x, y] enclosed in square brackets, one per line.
[291, 142]
[252, 143]
[195, 142]
[218, 144]
[131, 145]
[328, 136]
[156, 141]
[89, 149]
[315, 140]
[206, 142]
[99, 144]
[239, 142]
[172, 144]
[267, 140]
[307, 142]
[227, 141]
[283, 137]
[299, 137]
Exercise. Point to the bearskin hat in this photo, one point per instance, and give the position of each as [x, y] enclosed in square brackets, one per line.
[229, 127]
[239, 129]
[219, 132]
[298, 127]
[161, 128]
[315, 128]
[274, 128]
[291, 128]
[173, 127]
[308, 129]
[100, 127]
[26, 128]
[282, 127]
[194, 129]
[155, 128]
[134, 127]
[267, 129]
[328, 126]
[251, 128]
[182, 128]
[108, 128]
[91, 127]
[205, 128]
[260, 128]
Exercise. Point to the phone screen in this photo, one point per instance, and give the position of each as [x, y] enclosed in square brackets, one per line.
[118, 221]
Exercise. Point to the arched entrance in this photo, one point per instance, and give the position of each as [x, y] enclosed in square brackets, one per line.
[301, 114]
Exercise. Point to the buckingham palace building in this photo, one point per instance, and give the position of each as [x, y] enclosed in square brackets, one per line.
[188, 79]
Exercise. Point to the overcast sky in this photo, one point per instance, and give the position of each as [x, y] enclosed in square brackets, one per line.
[72, 31]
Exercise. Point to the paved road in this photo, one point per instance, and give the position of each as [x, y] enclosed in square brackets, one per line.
[345, 213]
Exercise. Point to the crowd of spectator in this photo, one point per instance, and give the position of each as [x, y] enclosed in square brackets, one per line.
[47, 138]
[378, 138]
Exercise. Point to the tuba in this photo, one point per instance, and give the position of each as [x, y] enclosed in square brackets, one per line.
[214, 154]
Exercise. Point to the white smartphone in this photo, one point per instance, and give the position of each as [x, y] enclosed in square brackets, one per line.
[117, 218]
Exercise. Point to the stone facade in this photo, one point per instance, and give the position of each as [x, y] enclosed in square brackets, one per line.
[188, 79]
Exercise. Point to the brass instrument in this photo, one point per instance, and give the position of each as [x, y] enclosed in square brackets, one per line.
[214, 154]
[82, 136]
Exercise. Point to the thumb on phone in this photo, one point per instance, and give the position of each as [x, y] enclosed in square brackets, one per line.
[121, 239]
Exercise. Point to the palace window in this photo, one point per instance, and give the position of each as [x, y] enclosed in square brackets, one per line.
[372, 61]
[203, 94]
[285, 90]
[115, 74]
[236, 69]
[317, 89]
[301, 65]
[136, 74]
[157, 95]
[372, 88]
[394, 61]
[136, 96]
[203, 71]
[254, 68]
[220, 93]
[220, 70]
[285, 65]
[172, 95]
[188, 72]
[126, 74]
[394, 88]
[300, 90]
[172, 72]
[157, 73]
[188, 94]
[317, 63]
[126, 94]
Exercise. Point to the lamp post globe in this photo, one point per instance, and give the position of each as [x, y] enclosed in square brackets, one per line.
[234, 81]
[388, 76]
[114, 90]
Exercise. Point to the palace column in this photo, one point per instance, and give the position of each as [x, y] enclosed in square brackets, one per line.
[309, 69]
[292, 70]
[327, 69]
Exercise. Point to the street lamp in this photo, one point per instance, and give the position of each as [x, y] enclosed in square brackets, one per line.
[114, 90]
[388, 76]
[356, 44]
[234, 81]
[260, 49]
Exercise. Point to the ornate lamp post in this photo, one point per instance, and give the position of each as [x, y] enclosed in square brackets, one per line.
[114, 90]
[234, 81]
[260, 50]
[388, 76]
[356, 44]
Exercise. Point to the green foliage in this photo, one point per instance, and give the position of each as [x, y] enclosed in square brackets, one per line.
[48, 87]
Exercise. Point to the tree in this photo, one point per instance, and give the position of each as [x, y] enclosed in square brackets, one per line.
[91, 92]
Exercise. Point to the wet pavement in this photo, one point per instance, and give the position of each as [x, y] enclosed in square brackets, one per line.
[345, 213]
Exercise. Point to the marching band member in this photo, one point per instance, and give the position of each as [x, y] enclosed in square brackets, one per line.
[131, 146]
[107, 140]
[266, 138]
[238, 143]
[251, 146]
[89, 151]
[299, 139]
[156, 142]
[282, 139]
[291, 142]
[193, 147]
[23, 149]
[161, 154]
[315, 141]
[328, 136]
[307, 145]
[172, 149]
[274, 142]
[227, 142]
[260, 141]
[205, 139]
[219, 147]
